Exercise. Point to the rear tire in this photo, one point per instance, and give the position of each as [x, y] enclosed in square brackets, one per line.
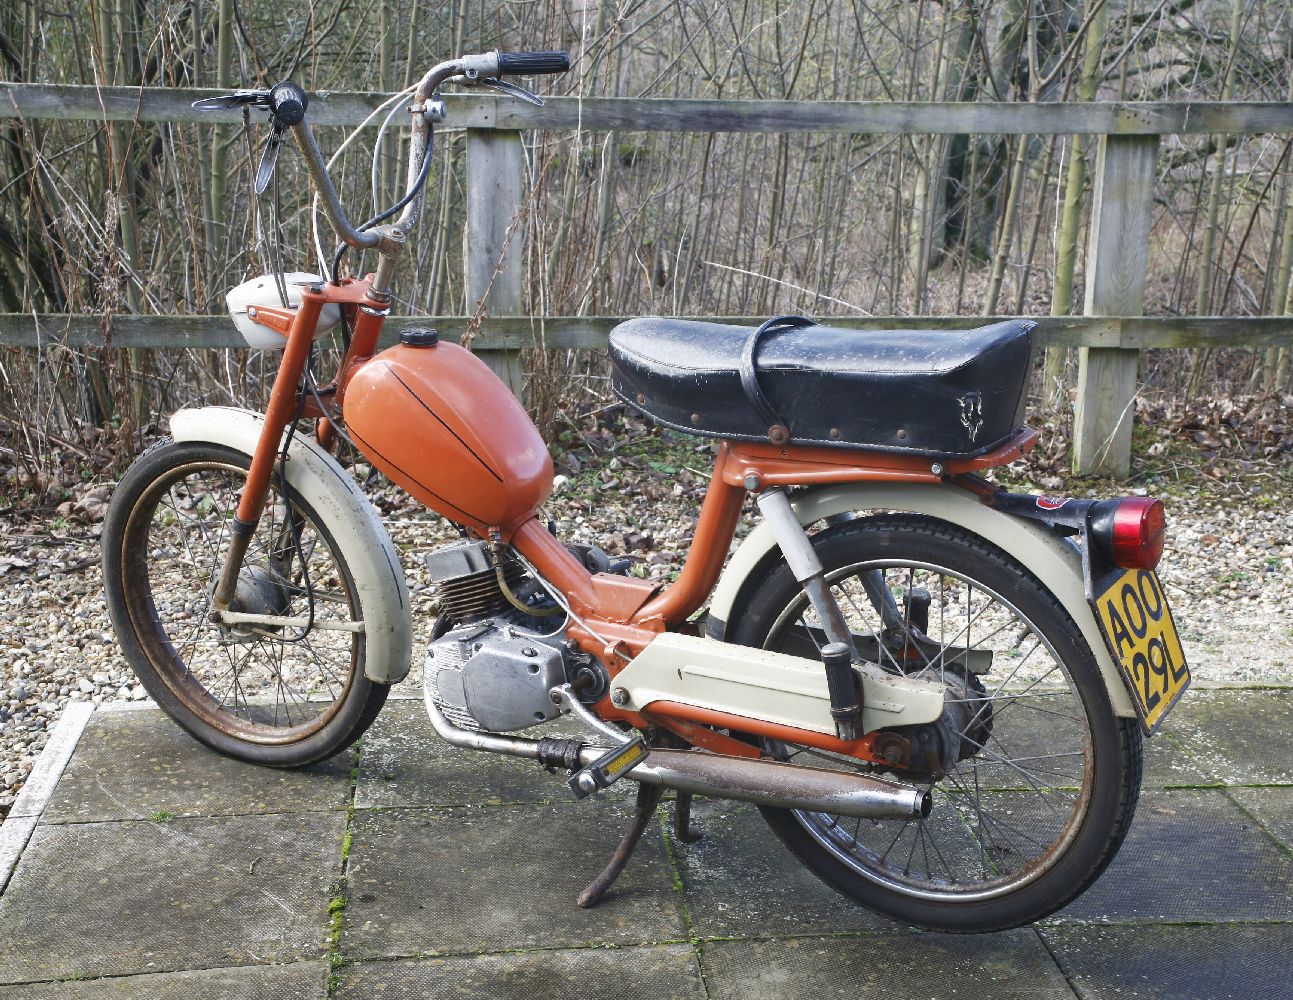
[1036, 807]
[283, 696]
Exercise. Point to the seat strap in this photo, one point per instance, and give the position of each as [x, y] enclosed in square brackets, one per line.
[778, 432]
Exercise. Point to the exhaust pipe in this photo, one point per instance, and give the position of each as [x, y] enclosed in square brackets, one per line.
[762, 782]
[772, 783]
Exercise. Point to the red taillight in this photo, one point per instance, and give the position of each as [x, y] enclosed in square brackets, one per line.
[1137, 533]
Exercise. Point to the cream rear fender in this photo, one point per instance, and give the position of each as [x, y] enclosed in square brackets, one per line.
[356, 529]
[1055, 561]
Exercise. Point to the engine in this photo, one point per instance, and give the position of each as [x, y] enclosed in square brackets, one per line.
[491, 665]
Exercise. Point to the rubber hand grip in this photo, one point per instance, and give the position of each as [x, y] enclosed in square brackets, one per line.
[532, 63]
[287, 103]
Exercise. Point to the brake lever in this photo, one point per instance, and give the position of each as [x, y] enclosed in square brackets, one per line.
[511, 89]
[237, 99]
[268, 159]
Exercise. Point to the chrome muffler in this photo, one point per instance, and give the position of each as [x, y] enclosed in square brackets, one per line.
[772, 783]
[762, 782]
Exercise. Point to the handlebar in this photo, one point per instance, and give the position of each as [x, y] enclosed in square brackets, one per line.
[532, 63]
[287, 104]
[285, 101]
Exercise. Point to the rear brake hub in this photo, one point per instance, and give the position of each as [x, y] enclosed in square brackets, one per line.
[959, 734]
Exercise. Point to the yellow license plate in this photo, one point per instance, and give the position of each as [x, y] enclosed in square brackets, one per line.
[1141, 634]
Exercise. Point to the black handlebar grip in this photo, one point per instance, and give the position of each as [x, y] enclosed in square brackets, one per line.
[532, 63]
[287, 103]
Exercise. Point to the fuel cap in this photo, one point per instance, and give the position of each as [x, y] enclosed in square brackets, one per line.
[420, 337]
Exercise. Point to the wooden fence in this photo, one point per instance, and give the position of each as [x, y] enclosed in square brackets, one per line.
[1110, 334]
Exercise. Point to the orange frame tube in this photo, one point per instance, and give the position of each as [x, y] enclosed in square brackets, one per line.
[738, 469]
[283, 399]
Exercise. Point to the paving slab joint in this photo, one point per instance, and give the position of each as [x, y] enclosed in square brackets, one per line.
[1257, 821]
[680, 887]
[1050, 952]
[340, 891]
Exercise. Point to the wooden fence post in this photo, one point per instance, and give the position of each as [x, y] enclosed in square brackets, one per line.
[495, 254]
[1117, 257]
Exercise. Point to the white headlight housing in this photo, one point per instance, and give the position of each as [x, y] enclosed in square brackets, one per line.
[263, 291]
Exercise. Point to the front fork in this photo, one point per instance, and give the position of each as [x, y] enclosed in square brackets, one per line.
[284, 403]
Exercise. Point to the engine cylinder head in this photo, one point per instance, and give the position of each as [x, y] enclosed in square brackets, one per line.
[466, 584]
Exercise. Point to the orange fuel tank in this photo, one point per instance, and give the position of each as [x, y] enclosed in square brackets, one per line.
[440, 424]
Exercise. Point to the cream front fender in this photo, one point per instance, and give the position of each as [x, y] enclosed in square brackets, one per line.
[356, 529]
[1054, 561]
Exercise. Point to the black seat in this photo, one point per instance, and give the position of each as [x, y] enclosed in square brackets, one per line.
[932, 392]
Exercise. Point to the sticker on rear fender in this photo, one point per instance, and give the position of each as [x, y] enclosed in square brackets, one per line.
[1138, 627]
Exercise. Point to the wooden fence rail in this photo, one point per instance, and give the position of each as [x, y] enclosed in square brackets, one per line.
[516, 333]
[486, 111]
[1110, 335]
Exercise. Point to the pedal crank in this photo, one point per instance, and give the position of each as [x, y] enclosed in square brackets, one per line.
[609, 768]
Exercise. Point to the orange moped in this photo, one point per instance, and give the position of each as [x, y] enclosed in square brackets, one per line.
[934, 690]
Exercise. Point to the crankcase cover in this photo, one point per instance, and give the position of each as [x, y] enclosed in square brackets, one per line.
[495, 679]
[441, 425]
[507, 684]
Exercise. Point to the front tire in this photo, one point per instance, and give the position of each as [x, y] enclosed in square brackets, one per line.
[284, 695]
[1042, 780]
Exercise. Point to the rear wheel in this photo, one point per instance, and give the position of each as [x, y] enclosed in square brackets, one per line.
[285, 695]
[1034, 780]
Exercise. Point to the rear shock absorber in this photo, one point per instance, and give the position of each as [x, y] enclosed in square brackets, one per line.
[846, 698]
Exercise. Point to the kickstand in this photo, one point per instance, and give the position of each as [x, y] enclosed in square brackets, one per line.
[648, 797]
[684, 831]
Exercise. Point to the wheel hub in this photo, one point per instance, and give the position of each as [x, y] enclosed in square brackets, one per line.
[958, 734]
[258, 592]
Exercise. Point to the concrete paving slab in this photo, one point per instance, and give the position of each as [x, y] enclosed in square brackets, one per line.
[895, 966]
[404, 763]
[231, 898]
[1190, 856]
[302, 981]
[662, 972]
[740, 880]
[1227, 962]
[1168, 762]
[489, 879]
[118, 898]
[1273, 808]
[1234, 735]
[133, 765]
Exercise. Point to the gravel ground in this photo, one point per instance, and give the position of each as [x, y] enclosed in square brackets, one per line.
[1228, 569]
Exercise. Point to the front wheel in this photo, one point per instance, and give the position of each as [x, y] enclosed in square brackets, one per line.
[1034, 779]
[285, 695]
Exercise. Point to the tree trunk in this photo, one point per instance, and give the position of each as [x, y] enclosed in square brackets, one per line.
[1207, 266]
[1066, 244]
